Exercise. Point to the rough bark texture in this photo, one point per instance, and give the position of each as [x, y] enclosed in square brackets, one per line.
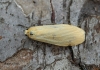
[17, 52]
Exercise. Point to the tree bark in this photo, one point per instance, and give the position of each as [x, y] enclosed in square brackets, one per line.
[25, 54]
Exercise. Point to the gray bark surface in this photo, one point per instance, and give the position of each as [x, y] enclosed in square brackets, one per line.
[18, 15]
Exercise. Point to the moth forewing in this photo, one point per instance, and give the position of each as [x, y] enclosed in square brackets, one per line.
[61, 34]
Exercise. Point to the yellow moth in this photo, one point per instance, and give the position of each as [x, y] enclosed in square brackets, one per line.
[59, 34]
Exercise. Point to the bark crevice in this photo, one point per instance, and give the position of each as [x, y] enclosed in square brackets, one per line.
[52, 13]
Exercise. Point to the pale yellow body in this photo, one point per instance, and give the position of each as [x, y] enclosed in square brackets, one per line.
[60, 34]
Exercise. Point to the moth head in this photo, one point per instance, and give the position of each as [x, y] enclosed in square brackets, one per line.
[29, 33]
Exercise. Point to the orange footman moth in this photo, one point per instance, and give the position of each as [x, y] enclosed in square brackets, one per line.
[59, 34]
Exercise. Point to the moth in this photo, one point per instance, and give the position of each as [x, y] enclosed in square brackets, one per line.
[59, 34]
